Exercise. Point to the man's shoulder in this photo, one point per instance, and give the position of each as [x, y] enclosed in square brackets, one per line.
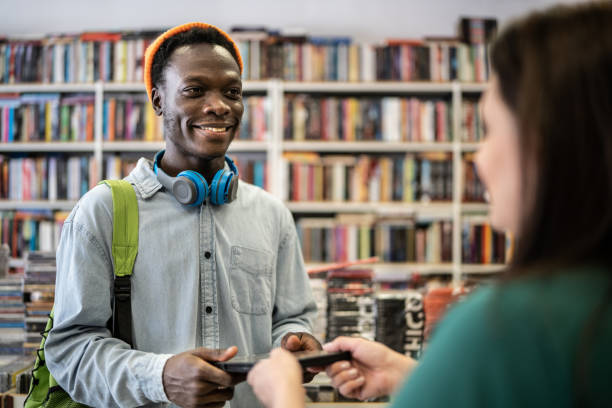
[249, 194]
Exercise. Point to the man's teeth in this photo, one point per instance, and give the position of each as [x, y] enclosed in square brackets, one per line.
[213, 129]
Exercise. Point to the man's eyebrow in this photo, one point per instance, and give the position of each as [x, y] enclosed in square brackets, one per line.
[203, 78]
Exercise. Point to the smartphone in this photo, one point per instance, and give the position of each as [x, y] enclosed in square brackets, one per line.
[242, 364]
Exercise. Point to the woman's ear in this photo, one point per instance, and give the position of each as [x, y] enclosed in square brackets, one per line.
[156, 100]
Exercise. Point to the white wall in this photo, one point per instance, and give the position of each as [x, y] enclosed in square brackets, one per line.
[362, 19]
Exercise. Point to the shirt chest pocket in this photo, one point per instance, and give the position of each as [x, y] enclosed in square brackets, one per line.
[250, 277]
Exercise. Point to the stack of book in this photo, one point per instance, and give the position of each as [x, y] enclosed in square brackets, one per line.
[15, 373]
[11, 316]
[415, 324]
[350, 304]
[389, 119]
[39, 294]
[368, 178]
[319, 293]
[391, 320]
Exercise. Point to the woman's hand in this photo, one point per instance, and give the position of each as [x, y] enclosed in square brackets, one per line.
[375, 370]
[277, 381]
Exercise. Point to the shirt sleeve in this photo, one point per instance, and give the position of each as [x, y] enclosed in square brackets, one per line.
[294, 306]
[87, 362]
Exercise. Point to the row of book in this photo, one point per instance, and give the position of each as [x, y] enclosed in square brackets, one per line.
[62, 177]
[32, 230]
[38, 295]
[346, 237]
[118, 56]
[48, 177]
[51, 117]
[473, 188]
[46, 117]
[86, 57]
[480, 244]
[368, 178]
[390, 119]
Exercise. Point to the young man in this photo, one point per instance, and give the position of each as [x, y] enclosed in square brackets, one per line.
[208, 276]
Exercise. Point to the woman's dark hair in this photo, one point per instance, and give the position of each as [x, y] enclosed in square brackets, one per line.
[195, 35]
[554, 70]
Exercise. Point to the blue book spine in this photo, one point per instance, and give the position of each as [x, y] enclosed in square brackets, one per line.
[11, 120]
[258, 173]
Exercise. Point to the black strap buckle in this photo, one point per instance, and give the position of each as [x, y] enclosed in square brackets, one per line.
[123, 288]
[122, 309]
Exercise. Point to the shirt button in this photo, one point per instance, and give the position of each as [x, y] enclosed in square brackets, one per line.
[208, 309]
[207, 255]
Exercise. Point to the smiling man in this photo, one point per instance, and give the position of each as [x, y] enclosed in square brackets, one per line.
[219, 270]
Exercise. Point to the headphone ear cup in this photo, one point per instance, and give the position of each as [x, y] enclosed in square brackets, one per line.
[232, 191]
[190, 188]
[217, 188]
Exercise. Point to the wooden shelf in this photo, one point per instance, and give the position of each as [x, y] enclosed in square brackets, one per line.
[479, 208]
[366, 146]
[470, 146]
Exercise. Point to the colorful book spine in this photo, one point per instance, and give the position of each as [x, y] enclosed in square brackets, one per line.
[369, 178]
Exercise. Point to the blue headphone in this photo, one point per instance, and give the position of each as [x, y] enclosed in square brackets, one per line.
[191, 188]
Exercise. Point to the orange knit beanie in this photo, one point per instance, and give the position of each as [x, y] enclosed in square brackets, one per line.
[152, 49]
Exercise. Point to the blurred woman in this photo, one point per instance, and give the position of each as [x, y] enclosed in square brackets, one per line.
[542, 335]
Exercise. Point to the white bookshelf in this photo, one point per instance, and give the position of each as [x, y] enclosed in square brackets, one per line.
[275, 146]
[47, 147]
[61, 205]
[367, 147]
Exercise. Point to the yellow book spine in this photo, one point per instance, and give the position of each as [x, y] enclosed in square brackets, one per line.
[48, 122]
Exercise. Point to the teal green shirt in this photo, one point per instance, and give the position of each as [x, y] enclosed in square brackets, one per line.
[515, 344]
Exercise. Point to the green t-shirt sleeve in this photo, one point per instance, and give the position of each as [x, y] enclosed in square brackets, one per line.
[476, 359]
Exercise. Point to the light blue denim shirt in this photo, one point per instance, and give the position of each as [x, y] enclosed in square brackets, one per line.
[212, 276]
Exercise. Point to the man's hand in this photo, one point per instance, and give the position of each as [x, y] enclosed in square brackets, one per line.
[190, 381]
[301, 341]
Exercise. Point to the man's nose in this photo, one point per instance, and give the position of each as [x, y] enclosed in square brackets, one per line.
[215, 103]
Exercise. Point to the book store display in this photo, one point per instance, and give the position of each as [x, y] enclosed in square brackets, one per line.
[370, 146]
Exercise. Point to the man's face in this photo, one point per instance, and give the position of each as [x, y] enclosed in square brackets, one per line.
[201, 100]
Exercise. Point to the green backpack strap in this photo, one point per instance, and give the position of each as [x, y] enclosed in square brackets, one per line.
[44, 390]
[125, 248]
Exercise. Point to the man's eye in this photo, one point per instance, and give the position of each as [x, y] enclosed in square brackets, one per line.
[192, 91]
[236, 92]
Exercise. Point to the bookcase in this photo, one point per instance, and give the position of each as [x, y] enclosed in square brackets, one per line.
[275, 148]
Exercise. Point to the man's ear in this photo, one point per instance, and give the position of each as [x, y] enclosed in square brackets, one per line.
[156, 100]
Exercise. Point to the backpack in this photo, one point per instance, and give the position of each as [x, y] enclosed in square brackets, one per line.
[44, 390]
